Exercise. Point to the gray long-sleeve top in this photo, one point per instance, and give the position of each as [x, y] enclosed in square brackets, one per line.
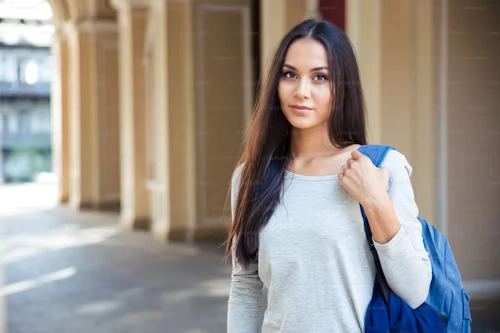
[315, 272]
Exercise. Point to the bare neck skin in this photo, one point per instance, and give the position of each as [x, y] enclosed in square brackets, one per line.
[314, 155]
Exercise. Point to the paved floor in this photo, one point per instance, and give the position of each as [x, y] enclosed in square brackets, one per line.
[80, 272]
[68, 272]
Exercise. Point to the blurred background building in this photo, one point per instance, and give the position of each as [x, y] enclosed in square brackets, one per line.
[151, 98]
[25, 74]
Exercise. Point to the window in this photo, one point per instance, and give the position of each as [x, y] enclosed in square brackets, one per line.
[30, 72]
[3, 122]
[3, 65]
[46, 70]
[25, 121]
[9, 68]
[40, 122]
[12, 123]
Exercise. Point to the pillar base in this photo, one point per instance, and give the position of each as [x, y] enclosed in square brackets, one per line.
[64, 199]
[210, 234]
[201, 234]
[160, 232]
[136, 223]
[106, 206]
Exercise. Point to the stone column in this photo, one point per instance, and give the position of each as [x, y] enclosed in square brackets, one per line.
[171, 121]
[182, 122]
[132, 18]
[158, 120]
[272, 26]
[94, 120]
[60, 101]
[364, 29]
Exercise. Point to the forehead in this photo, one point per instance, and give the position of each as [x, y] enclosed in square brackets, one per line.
[306, 53]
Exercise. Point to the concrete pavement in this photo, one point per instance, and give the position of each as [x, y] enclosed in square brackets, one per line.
[80, 272]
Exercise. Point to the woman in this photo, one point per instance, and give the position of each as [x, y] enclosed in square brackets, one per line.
[301, 261]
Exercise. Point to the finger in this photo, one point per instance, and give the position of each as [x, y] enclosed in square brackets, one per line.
[349, 162]
[356, 155]
[342, 170]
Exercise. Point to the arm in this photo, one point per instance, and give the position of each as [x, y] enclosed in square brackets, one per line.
[397, 235]
[245, 307]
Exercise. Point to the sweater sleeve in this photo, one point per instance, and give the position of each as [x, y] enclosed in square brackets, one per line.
[404, 260]
[245, 304]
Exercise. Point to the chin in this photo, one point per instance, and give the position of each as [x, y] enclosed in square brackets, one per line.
[302, 123]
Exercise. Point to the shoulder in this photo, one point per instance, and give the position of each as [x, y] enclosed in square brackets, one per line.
[396, 163]
[236, 177]
[235, 185]
[237, 173]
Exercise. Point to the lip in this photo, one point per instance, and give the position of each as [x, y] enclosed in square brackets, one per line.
[300, 107]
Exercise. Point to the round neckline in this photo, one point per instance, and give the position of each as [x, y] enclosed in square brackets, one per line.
[292, 175]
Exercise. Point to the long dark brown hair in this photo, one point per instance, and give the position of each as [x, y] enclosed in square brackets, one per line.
[266, 148]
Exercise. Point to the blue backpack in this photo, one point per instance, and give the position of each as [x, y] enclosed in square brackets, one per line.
[447, 306]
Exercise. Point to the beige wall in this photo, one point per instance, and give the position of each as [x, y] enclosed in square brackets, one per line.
[434, 98]
[277, 18]
[472, 76]
[295, 12]
[200, 93]
[398, 74]
[407, 92]
[363, 27]
[108, 120]
[224, 97]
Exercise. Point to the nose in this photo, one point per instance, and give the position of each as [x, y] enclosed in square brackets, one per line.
[303, 89]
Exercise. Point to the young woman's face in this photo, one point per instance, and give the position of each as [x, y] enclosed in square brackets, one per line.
[304, 88]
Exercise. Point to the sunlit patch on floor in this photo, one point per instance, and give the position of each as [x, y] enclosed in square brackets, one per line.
[23, 246]
[98, 308]
[33, 283]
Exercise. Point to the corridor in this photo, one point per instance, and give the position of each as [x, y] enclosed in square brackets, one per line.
[68, 271]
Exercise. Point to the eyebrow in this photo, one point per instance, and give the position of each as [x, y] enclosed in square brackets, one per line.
[312, 70]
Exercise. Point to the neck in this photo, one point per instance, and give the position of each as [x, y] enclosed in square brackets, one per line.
[311, 143]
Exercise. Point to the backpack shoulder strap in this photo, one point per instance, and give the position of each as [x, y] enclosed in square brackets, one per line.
[377, 154]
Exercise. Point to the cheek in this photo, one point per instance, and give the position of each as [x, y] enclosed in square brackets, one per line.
[283, 91]
[323, 98]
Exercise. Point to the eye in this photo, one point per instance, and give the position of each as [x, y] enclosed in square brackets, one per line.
[289, 75]
[320, 77]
